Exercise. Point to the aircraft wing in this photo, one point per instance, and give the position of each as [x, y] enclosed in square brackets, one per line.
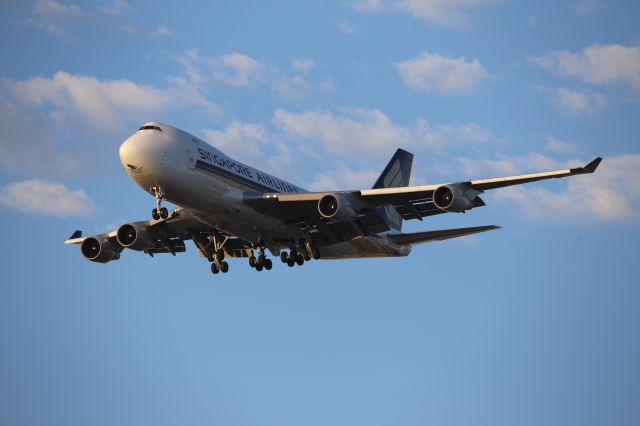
[363, 207]
[151, 237]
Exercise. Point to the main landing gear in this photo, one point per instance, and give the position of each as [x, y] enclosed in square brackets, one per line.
[217, 256]
[159, 212]
[307, 251]
[261, 262]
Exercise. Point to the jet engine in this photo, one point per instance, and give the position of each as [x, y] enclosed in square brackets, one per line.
[135, 236]
[336, 207]
[100, 249]
[454, 198]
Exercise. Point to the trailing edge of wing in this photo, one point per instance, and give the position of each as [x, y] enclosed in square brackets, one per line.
[439, 235]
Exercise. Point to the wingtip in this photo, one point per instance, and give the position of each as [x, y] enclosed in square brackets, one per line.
[592, 166]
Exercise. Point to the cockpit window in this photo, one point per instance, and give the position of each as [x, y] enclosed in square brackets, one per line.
[150, 128]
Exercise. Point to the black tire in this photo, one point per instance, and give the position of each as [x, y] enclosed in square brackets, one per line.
[252, 261]
[259, 267]
[284, 256]
[214, 268]
[220, 254]
[306, 257]
[268, 264]
[155, 214]
[316, 253]
[300, 260]
[224, 267]
[164, 213]
[291, 262]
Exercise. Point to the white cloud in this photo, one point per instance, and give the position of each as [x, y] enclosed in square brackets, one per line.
[104, 103]
[303, 65]
[54, 17]
[49, 198]
[342, 177]
[575, 101]
[433, 73]
[445, 13]
[347, 28]
[597, 64]
[117, 8]
[586, 7]
[369, 133]
[242, 71]
[238, 139]
[155, 33]
[559, 146]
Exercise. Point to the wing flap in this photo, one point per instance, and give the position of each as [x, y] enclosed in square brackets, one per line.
[439, 235]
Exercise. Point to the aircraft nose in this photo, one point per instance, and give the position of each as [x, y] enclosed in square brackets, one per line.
[129, 153]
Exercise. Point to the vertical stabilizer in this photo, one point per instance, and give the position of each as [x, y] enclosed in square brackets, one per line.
[396, 174]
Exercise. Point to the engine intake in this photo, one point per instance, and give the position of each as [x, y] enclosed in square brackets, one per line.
[100, 249]
[336, 207]
[135, 236]
[452, 198]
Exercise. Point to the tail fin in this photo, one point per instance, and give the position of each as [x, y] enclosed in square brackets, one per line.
[397, 173]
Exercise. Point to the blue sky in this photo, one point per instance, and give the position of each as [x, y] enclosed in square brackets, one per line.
[536, 323]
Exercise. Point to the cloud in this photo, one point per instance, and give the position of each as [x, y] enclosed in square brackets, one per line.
[433, 73]
[597, 64]
[347, 28]
[28, 144]
[303, 65]
[444, 13]
[586, 7]
[54, 17]
[370, 133]
[155, 33]
[103, 103]
[239, 139]
[48, 198]
[342, 177]
[612, 193]
[117, 8]
[559, 146]
[242, 71]
[575, 101]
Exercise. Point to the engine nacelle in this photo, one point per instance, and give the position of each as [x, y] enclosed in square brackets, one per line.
[452, 198]
[336, 207]
[100, 249]
[135, 236]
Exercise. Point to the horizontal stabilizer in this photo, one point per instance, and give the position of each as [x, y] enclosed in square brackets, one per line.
[439, 235]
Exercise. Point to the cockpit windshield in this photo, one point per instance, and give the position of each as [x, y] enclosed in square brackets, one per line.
[150, 128]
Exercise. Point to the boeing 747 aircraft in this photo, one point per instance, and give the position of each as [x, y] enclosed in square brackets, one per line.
[230, 210]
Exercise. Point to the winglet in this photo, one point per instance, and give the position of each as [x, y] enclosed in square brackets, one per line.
[76, 234]
[592, 166]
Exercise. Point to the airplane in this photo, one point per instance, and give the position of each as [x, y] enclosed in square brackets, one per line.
[231, 210]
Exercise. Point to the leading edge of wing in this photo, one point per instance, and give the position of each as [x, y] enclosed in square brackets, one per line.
[438, 235]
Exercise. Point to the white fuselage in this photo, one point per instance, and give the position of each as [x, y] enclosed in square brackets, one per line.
[210, 185]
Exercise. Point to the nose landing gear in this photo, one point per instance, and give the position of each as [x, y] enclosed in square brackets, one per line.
[159, 212]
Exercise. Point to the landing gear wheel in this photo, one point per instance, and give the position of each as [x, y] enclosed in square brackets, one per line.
[300, 260]
[284, 256]
[220, 254]
[214, 268]
[261, 259]
[155, 214]
[316, 253]
[268, 264]
[306, 257]
[224, 267]
[291, 262]
[252, 261]
[259, 267]
[164, 213]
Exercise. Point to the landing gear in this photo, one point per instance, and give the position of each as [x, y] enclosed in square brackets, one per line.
[261, 262]
[308, 252]
[217, 256]
[159, 212]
